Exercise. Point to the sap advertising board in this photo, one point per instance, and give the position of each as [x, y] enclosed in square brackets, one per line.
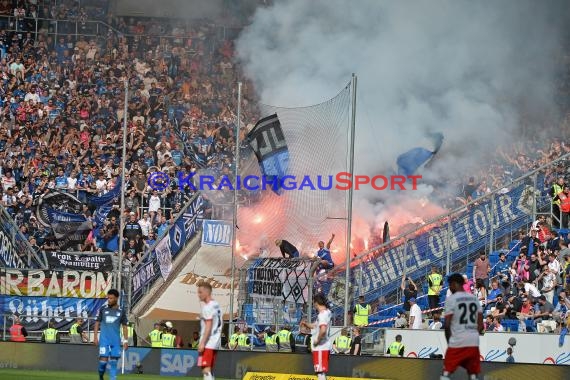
[173, 362]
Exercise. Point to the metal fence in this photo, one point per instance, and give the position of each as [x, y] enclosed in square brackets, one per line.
[15, 249]
[35, 335]
[452, 241]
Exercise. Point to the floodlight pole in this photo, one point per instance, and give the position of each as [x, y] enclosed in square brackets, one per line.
[234, 227]
[350, 193]
[122, 179]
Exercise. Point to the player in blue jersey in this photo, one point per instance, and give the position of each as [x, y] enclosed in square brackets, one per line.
[324, 254]
[110, 319]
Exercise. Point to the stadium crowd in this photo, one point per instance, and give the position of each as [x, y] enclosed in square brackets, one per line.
[524, 288]
[62, 110]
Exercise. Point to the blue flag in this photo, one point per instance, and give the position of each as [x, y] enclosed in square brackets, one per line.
[107, 197]
[268, 143]
[100, 215]
[409, 162]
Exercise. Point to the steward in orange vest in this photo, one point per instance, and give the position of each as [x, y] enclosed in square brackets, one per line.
[18, 332]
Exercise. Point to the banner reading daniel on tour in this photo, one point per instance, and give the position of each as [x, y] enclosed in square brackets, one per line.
[55, 283]
[287, 279]
[468, 232]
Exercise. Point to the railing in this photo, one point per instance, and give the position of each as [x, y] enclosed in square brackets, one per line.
[35, 335]
[142, 276]
[453, 236]
[96, 28]
[15, 250]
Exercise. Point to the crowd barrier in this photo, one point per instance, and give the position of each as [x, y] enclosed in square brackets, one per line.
[235, 365]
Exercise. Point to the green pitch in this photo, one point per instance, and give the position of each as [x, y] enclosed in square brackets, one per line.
[16, 374]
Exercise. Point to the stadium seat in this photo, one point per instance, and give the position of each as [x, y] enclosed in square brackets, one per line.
[510, 324]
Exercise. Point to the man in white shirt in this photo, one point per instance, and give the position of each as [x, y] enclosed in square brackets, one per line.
[463, 324]
[145, 225]
[530, 290]
[553, 264]
[154, 202]
[415, 321]
[211, 325]
[320, 336]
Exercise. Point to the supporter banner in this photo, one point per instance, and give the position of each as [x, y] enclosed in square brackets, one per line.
[61, 216]
[36, 312]
[217, 232]
[55, 283]
[163, 255]
[143, 276]
[60, 201]
[268, 143]
[287, 279]
[96, 262]
[70, 234]
[176, 362]
[181, 232]
[492, 346]
[467, 234]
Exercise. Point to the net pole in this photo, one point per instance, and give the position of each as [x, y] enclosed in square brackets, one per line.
[350, 191]
[234, 235]
[122, 179]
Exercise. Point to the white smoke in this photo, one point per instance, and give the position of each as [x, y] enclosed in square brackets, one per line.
[463, 68]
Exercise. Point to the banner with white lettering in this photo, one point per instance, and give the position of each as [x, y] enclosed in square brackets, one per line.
[287, 279]
[164, 257]
[468, 233]
[217, 232]
[177, 362]
[36, 312]
[143, 276]
[77, 261]
[183, 230]
[55, 283]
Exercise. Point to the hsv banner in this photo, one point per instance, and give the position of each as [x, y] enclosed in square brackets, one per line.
[287, 279]
[55, 283]
[164, 256]
[143, 276]
[217, 232]
[170, 246]
[35, 312]
[91, 261]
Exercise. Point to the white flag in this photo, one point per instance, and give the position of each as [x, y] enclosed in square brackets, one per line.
[164, 257]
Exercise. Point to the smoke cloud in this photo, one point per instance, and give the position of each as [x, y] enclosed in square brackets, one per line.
[464, 68]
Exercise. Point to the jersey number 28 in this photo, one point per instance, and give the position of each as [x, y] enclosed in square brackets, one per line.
[468, 313]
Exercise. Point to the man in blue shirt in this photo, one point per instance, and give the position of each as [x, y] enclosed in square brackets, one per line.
[325, 255]
[110, 319]
[501, 270]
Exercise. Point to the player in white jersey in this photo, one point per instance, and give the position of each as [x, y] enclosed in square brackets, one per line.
[463, 324]
[210, 330]
[320, 336]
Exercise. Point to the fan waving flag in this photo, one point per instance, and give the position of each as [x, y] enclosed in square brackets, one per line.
[409, 162]
[268, 143]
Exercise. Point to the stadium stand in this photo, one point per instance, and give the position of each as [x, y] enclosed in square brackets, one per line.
[62, 111]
